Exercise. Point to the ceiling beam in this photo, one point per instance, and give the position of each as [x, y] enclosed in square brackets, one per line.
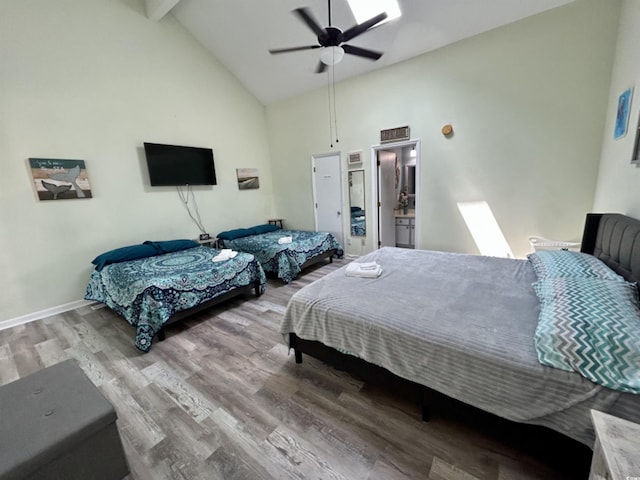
[156, 9]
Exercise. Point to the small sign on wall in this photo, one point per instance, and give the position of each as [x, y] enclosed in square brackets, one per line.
[57, 179]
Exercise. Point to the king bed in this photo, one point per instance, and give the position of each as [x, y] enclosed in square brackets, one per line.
[504, 335]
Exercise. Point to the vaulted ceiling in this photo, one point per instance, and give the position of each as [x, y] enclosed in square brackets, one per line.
[239, 33]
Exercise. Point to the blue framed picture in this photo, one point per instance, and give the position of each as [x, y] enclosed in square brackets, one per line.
[622, 114]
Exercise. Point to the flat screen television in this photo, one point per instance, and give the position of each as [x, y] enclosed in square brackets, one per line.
[174, 165]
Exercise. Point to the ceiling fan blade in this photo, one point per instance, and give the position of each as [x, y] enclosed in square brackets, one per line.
[321, 68]
[361, 52]
[307, 17]
[293, 49]
[362, 27]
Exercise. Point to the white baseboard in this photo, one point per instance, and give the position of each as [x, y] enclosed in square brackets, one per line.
[31, 317]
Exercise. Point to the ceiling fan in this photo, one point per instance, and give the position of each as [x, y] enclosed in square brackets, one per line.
[332, 39]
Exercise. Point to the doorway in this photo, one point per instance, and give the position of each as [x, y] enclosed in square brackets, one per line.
[327, 194]
[396, 168]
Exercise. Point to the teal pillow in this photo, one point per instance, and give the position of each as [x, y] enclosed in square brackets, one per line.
[590, 326]
[267, 227]
[565, 263]
[237, 233]
[123, 254]
[169, 246]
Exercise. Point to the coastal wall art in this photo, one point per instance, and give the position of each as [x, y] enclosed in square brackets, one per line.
[622, 114]
[59, 179]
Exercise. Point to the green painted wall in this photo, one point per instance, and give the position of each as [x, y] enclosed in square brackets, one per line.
[527, 102]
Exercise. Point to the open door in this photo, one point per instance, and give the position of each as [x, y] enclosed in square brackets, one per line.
[395, 167]
[387, 178]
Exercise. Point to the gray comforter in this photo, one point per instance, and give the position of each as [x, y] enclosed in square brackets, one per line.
[460, 324]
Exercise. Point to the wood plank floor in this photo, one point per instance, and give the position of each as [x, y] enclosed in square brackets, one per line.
[221, 398]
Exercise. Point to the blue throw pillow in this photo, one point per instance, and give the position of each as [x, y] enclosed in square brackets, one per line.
[237, 233]
[123, 254]
[565, 263]
[169, 246]
[267, 227]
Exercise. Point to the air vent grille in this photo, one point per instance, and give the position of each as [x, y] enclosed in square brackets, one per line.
[355, 157]
[394, 134]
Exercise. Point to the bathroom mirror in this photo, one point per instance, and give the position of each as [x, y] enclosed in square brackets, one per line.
[356, 202]
[410, 178]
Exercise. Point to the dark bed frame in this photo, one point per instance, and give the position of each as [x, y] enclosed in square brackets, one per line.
[176, 317]
[320, 257]
[613, 238]
[326, 255]
[255, 286]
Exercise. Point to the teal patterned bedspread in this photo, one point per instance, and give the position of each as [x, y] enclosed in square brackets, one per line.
[285, 259]
[147, 292]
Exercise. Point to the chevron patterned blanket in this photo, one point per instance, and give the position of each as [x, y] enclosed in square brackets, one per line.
[591, 326]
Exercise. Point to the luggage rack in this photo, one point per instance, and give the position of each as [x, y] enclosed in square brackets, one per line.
[539, 243]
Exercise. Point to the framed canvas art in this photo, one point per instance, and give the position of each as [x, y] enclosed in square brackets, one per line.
[247, 178]
[58, 179]
[622, 114]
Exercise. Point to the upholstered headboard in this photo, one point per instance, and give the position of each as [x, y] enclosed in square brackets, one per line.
[614, 239]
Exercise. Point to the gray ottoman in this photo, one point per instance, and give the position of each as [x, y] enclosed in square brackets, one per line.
[55, 424]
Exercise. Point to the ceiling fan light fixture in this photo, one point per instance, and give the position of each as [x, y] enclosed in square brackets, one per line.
[331, 55]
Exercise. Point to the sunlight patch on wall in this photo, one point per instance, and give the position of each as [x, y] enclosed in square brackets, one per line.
[484, 229]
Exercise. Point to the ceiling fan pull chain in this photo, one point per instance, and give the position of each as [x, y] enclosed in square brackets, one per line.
[335, 111]
[329, 102]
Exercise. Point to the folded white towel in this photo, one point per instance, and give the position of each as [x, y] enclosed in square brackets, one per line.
[367, 265]
[354, 270]
[283, 240]
[224, 254]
